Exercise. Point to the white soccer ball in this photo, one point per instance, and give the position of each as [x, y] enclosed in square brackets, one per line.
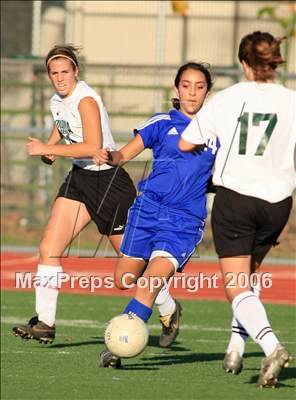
[126, 335]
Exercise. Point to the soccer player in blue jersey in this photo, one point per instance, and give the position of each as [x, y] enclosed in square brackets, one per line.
[167, 219]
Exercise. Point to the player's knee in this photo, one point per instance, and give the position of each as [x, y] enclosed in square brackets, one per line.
[124, 281]
[46, 250]
[43, 248]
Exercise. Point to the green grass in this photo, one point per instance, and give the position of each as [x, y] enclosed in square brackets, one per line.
[190, 369]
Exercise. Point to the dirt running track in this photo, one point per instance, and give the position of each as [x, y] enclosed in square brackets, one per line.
[192, 284]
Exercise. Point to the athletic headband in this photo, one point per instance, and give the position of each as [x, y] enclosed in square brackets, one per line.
[63, 56]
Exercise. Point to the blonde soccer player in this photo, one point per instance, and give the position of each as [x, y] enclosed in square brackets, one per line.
[102, 194]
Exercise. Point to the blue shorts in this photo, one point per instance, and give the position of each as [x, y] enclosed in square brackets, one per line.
[154, 228]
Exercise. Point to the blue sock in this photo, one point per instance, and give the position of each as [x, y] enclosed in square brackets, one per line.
[138, 309]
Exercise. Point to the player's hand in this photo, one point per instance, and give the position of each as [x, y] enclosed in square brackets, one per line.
[35, 147]
[102, 156]
[198, 149]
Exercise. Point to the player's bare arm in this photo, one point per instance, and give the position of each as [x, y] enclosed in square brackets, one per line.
[92, 134]
[126, 153]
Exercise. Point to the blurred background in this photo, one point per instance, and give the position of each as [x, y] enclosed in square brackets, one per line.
[130, 51]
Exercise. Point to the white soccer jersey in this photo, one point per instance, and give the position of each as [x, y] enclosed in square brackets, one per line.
[255, 123]
[68, 121]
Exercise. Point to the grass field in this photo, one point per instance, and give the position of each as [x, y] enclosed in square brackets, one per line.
[190, 369]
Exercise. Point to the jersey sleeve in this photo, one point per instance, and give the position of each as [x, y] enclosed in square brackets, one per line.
[202, 127]
[149, 132]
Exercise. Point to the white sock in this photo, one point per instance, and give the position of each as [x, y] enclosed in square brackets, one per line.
[165, 303]
[238, 338]
[250, 312]
[239, 335]
[47, 285]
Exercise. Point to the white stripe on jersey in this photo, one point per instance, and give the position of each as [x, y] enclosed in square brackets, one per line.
[152, 120]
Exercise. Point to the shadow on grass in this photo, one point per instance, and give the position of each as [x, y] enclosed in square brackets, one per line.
[154, 342]
[173, 359]
[93, 341]
[172, 356]
[155, 362]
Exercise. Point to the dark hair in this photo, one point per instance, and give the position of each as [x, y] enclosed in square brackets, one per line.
[261, 51]
[67, 51]
[202, 67]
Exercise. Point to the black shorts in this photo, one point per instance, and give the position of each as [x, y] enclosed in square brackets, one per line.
[106, 194]
[246, 225]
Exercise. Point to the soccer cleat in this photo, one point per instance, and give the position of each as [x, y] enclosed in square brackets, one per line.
[109, 360]
[170, 326]
[233, 362]
[271, 367]
[37, 330]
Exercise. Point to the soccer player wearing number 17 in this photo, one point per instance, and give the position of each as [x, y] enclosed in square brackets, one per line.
[255, 177]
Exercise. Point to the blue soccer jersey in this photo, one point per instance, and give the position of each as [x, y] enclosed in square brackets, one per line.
[167, 218]
[178, 180]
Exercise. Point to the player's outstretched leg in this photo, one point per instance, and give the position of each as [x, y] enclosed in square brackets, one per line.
[272, 365]
[170, 326]
[37, 330]
[109, 360]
